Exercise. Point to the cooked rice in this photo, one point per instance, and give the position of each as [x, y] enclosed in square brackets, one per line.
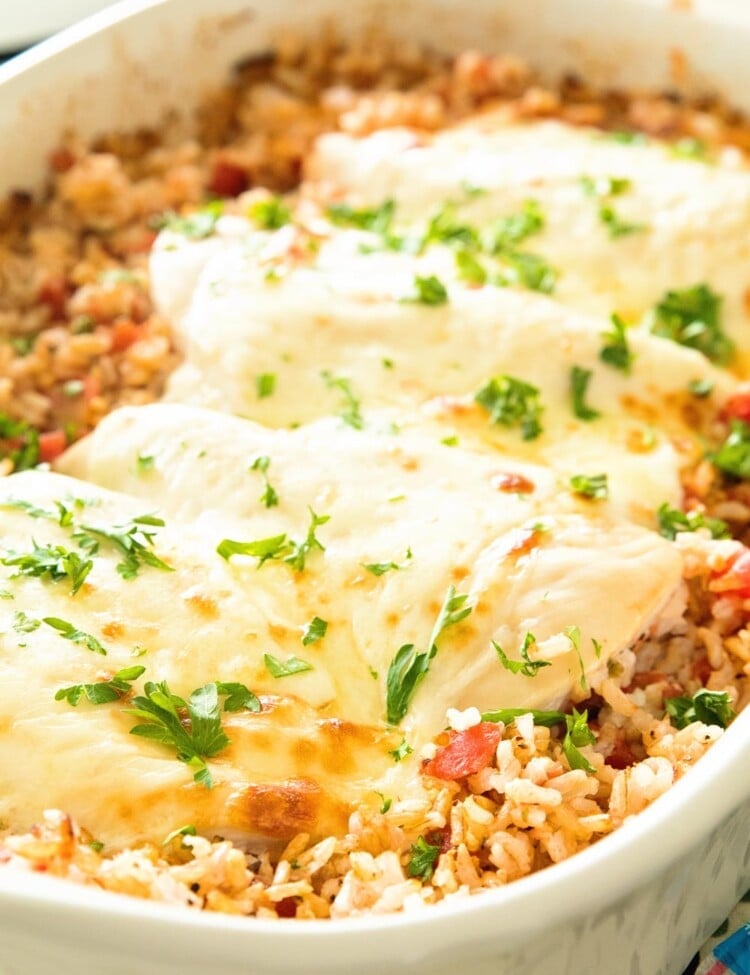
[80, 337]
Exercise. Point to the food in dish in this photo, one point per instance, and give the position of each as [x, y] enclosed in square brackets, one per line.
[422, 578]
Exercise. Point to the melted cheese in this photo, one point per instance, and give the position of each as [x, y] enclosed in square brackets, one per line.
[694, 215]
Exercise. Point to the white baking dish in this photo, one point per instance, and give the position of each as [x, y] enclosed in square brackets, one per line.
[641, 901]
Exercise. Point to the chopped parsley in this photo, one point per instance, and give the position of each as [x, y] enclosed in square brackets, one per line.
[546, 719]
[271, 213]
[285, 668]
[265, 384]
[444, 228]
[380, 568]
[133, 540]
[616, 226]
[605, 186]
[376, 219]
[512, 402]
[592, 486]
[399, 753]
[710, 707]
[579, 381]
[19, 442]
[25, 624]
[701, 388]
[615, 351]
[237, 697]
[69, 632]
[672, 520]
[578, 734]
[196, 226]
[409, 667]
[54, 561]
[733, 456]
[469, 269]
[688, 147]
[192, 727]
[103, 691]
[144, 462]
[315, 630]
[63, 516]
[691, 317]
[573, 633]
[422, 859]
[264, 549]
[188, 830]
[269, 497]
[385, 803]
[529, 270]
[428, 290]
[351, 413]
[505, 233]
[525, 666]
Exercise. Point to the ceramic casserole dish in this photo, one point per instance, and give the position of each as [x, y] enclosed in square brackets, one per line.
[643, 900]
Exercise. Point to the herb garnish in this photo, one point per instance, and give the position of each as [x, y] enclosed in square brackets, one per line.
[69, 632]
[691, 317]
[573, 633]
[376, 219]
[103, 691]
[469, 269]
[265, 384]
[380, 568]
[270, 213]
[285, 668]
[578, 734]
[188, 830]
[409, 667]
[351, 413]
[512, 402]
[25, 624]
[672, 520]
[429, 290]
[592, 486]
[160, 715]
[529, 270]
[615, 351]
[269, 497]
[278, 547]
[22, 442]
[701, 388]
[399, 753]
[196, 226]
[315, 630]
[505, 233]
[144, 462]
[733, 456]
[53, 561]
[132, 539]
[603, 188]
[710, 707]
[525, 666]
[422, 858]
[579, 381]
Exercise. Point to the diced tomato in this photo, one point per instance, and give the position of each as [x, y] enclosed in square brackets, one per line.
[621, 755]
[467, 752]
[54, 293]
[735, 579]
[91, 388]
[227, 179]
[737, 407]
[287, 907]
[61, 159]
[51, 445]
[124, 333]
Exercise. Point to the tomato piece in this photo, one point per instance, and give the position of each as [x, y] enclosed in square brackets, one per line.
[286, 907]
[124, 333]
[51, 445]
[621, 755]
[61, 159]
[54, 294]
[737, 407]
[736, 578]
[467, 752]
[227, 179]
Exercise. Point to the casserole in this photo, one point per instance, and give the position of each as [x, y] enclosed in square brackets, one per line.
[564, 945]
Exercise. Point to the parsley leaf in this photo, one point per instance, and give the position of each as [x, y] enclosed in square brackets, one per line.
[269, 497]
[376, 219]
[525, 666]
[197, 225]
[133, 540]
[69, 632]
[51, 560]
[300, 550]
[733, 456]
[25, 624]
[265, 384]
[399, 753]
[573, 633]
[710, 707]
[701, 388]
[604, 186]
[508, 231]
[689, 147]
[615, 351]
[188, 830]
[672, 520]
[616, 226]
[271, 213]
[144, 462]
[19, 442]
[691, 317]
[351, 413]
[546, 719]
[380, 568]
[578, 734]
[315, 630]
[579, 381]
[422, 858]
[160, 719]
[469, 269]
[102, 692]
[529, 270]
[409, 667]
[592, 486]
[444, 228]
[238, 696]
[429, 290]
[512, 402]
[263, 549]
[285, 668]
